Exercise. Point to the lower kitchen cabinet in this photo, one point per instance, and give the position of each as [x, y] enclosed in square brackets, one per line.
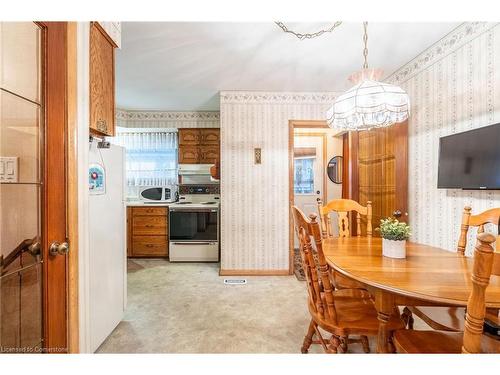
[147, 232]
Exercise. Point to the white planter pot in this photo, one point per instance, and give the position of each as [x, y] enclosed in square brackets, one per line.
[393, 249]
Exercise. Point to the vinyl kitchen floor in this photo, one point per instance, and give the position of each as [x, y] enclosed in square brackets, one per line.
[186, 308]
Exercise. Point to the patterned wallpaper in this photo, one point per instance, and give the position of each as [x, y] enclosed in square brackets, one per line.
[163, 119]
[453, 86]
[254, 198]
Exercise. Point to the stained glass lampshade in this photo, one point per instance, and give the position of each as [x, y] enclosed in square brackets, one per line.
[369, 104]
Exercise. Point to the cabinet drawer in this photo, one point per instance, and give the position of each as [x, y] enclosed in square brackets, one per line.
[189, 136]
[149, 211]
[149, 225]
[150, 246]
[209, 136]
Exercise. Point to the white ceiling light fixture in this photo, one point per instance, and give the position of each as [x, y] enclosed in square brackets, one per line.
[370, 103]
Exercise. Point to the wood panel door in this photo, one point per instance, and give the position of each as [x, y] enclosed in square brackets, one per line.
[33, 128]
[380, 170]
[55, 195]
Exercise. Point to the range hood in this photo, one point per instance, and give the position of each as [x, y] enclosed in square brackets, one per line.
[194, 169]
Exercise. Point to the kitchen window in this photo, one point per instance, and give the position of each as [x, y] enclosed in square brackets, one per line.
[150, 157]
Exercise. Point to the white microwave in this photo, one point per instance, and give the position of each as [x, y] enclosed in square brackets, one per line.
[159, 194]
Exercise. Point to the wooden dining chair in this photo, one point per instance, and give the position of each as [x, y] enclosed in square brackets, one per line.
[341, 313]
[343, 208]
[472, 340]
[452, 318]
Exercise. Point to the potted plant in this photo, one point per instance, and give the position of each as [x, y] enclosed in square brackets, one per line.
[394, 235]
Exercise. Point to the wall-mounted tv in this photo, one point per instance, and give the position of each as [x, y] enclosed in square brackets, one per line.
[470, 160]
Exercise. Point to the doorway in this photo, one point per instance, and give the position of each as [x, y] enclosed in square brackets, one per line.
[34, 229]
[311, 145]
[309, 179]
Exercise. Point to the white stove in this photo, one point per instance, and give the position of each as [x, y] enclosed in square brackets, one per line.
[194, 224]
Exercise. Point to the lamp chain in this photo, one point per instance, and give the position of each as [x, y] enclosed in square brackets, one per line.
[365, 42]
[308, 35]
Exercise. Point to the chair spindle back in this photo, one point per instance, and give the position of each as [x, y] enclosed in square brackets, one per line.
[319, 284]
[491, 216]
[343, 207]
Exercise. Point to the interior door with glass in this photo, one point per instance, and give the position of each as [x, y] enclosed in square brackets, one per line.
[308, 173]
[33, 289]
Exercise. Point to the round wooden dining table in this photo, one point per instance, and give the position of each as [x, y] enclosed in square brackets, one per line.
[427, 276]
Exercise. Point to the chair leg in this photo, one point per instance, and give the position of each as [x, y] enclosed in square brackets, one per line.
[344, 340]
[407, 317]
[366, 344]
[309, 336]
[334, 344]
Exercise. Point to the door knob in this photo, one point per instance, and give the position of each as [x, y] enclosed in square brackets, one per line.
[397, 214]
[58, 248]
[35, 248]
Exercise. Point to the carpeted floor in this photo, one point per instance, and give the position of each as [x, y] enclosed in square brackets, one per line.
[186, 308]
[297, 266]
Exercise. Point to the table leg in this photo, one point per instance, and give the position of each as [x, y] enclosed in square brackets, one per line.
[384, 303]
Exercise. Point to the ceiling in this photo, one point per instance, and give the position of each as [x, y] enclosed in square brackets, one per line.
[181, 66]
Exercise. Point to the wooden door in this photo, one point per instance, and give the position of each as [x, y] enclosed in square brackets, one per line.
[55, 320]
[380, 170]
[33, 203]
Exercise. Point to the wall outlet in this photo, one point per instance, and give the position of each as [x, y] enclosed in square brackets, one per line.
[9, 166]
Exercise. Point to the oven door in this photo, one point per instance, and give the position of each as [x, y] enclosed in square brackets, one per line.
[198, 225]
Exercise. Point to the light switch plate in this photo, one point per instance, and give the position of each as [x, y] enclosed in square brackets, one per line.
[9, 169]
[258, 155]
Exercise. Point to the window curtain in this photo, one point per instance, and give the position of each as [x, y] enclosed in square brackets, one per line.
[151, 157]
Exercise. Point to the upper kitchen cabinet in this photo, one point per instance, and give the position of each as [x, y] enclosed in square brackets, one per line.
[199, 146]
[189, 137]
[102, 81]
[210, 136]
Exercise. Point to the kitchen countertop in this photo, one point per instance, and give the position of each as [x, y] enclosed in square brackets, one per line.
[138, 203]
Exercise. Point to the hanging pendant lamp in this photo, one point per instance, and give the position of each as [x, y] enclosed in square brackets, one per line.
[370, 103]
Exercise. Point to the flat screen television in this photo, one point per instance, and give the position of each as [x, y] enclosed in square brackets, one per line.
[470, 160]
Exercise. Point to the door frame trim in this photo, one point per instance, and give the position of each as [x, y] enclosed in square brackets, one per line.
[292, 125]
[72, 188]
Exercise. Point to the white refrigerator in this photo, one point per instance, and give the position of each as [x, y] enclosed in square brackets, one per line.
[107, 242]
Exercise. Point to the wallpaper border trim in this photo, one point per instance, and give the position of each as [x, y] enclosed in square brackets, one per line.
[457, 38]
[122, 114]
[227, 97]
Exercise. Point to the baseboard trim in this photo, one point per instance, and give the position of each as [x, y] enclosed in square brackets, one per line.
[254, 272]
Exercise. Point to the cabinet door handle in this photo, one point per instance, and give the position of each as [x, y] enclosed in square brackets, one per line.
[149, 245]
[149, 226]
